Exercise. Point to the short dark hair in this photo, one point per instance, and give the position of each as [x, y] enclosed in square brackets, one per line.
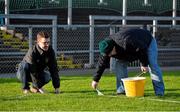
[43, 34]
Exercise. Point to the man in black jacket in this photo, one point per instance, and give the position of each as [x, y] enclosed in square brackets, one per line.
[33, 67]
[126, 46]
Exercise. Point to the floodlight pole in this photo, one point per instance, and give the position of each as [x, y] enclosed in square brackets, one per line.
[6, 13]
[174, 12]
[124, 13]
[69, 21]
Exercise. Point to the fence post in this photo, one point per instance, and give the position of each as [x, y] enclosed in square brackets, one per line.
[112, 60]
[69, 21]
[124, 12]
[6, 13]
[54, 35]
[91, 40]
[154, 27]
[30, 37]
[174, 12]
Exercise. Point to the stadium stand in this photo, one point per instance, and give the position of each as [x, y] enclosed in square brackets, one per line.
[83, 8]
[67, 62]
[10, 43]
[168, 38]
[13, 44]
[116, 5]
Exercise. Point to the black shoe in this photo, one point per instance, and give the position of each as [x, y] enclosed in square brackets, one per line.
[123, 93]
[160, 95]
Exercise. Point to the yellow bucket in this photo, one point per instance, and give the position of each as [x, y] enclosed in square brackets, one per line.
[134, 86]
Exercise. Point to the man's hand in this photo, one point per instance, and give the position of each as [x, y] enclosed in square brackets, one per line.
[57, 91]
[144, 69]
[94, 84]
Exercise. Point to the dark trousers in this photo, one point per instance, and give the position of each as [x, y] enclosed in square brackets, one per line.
[25, 76]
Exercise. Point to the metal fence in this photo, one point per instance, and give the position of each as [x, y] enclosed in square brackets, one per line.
[75, 47]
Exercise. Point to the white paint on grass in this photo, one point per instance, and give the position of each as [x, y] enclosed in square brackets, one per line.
[99, 92]
[168, 101]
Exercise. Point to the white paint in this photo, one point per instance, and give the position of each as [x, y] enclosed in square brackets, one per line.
[167, 101]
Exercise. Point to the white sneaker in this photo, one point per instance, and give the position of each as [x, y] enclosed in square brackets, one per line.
[120, 90]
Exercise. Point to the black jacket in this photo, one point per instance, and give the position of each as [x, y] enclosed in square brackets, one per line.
[130, 45]
[39, 60]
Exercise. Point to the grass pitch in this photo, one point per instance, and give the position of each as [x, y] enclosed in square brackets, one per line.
[77, 95]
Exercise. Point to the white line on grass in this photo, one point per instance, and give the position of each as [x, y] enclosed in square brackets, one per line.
[17, 97]
[110, 96]
[107, 96]
[22, 96]
[168, 101]
[101, 94]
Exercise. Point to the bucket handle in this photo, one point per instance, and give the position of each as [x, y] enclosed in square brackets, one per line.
[139, 74]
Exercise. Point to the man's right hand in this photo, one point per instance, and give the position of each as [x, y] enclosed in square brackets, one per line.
[144, 69]
[94, 84]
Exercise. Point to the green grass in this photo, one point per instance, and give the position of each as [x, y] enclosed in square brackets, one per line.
[77, 95]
